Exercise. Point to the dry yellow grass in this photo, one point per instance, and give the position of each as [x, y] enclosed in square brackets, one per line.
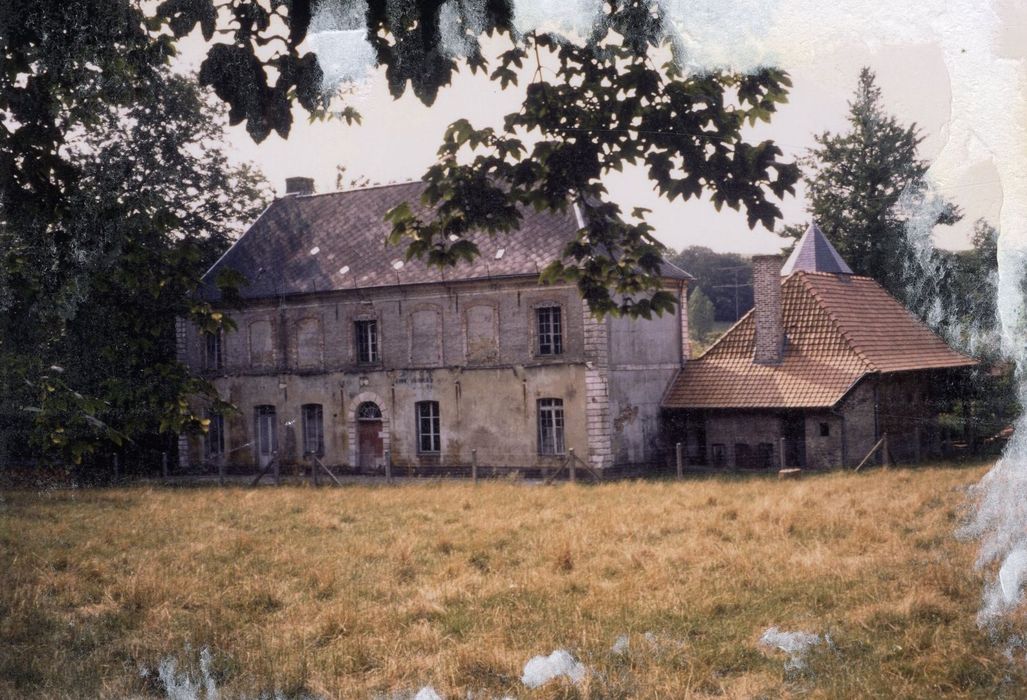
[368, 590]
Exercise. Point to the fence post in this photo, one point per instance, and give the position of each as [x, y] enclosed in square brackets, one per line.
[679, 458]
[314, 468]
[474, 466]
[388, 466]
[570, 460]
[164, 465]
[278, 470]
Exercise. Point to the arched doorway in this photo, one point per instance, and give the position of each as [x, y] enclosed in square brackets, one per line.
[370, 445]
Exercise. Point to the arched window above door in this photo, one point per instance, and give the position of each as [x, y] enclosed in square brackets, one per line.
[369, 411]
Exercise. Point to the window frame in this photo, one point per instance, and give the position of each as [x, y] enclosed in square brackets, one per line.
[218, 351]
[434, 427]
[214, 449]
[259, 411]
[718, 454]
[551, 427]
[319, 438]
[554, 333]
[374, 344]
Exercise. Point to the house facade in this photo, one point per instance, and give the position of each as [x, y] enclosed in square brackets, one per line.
[824, 366]
[345, 350]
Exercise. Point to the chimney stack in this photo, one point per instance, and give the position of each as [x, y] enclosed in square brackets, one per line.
[299, 185]
[766, 283]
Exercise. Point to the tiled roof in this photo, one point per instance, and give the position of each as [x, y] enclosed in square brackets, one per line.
[838, 329]
[814, 253]
[311, 243]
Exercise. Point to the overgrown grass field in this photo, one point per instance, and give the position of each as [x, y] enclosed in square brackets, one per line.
[376, 591]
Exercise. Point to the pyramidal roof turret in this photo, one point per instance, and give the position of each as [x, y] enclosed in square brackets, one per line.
[814, 253]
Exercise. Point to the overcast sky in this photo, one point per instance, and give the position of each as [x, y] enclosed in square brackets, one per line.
[822, 52]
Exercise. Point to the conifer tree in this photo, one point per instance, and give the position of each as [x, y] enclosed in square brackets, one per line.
[855, 182]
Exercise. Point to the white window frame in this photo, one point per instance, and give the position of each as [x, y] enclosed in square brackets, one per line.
[551, 435]
[365, 330]
[313, 429]
[272, 434]
[429, 427]
[549, 332]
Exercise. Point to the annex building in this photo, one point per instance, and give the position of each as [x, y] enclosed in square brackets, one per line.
[824, 365]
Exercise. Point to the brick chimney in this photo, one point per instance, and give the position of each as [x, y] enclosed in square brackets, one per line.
[766, 283]
[299, 185]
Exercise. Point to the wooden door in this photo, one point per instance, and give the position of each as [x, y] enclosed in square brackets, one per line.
[370, 446]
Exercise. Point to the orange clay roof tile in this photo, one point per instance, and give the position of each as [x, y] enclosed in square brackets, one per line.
[838, 328]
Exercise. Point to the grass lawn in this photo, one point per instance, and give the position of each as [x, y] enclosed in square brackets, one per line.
[371, 591]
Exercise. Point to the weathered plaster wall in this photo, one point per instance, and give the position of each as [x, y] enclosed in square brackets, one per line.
[471, 347]
[645, 354]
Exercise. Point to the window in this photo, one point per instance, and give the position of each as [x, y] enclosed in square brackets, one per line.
[429, 438]
[313, 430]
[718, 455]
[550, 427]
[367, 341]
[369, 411]
[212, 355]
[266, 429]
[215, 439]
[550, 336]
[825, 430]
[743, 455]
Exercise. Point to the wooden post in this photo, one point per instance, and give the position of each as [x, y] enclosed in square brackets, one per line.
[164, 465]
[783, 465]
[314, 470]
[571, 465]
[474, 466]
[679, 458]
[278, 470]
[388, 466]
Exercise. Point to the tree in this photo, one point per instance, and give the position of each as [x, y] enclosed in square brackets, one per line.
[155, 202]
[700, 316]
[725, 278]
[609, 105]
[66, 65]
[855, 182]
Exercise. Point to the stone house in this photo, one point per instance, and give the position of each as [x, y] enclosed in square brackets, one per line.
[824, 365]
[345, 350]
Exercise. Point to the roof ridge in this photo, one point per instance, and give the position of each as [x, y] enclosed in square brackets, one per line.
[353, 189]
[834, 319]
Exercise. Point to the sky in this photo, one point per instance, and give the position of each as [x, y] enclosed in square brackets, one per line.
[823, 50]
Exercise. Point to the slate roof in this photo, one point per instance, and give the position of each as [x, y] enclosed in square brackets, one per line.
[839, 328]
[319, 242]
[814, 253]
